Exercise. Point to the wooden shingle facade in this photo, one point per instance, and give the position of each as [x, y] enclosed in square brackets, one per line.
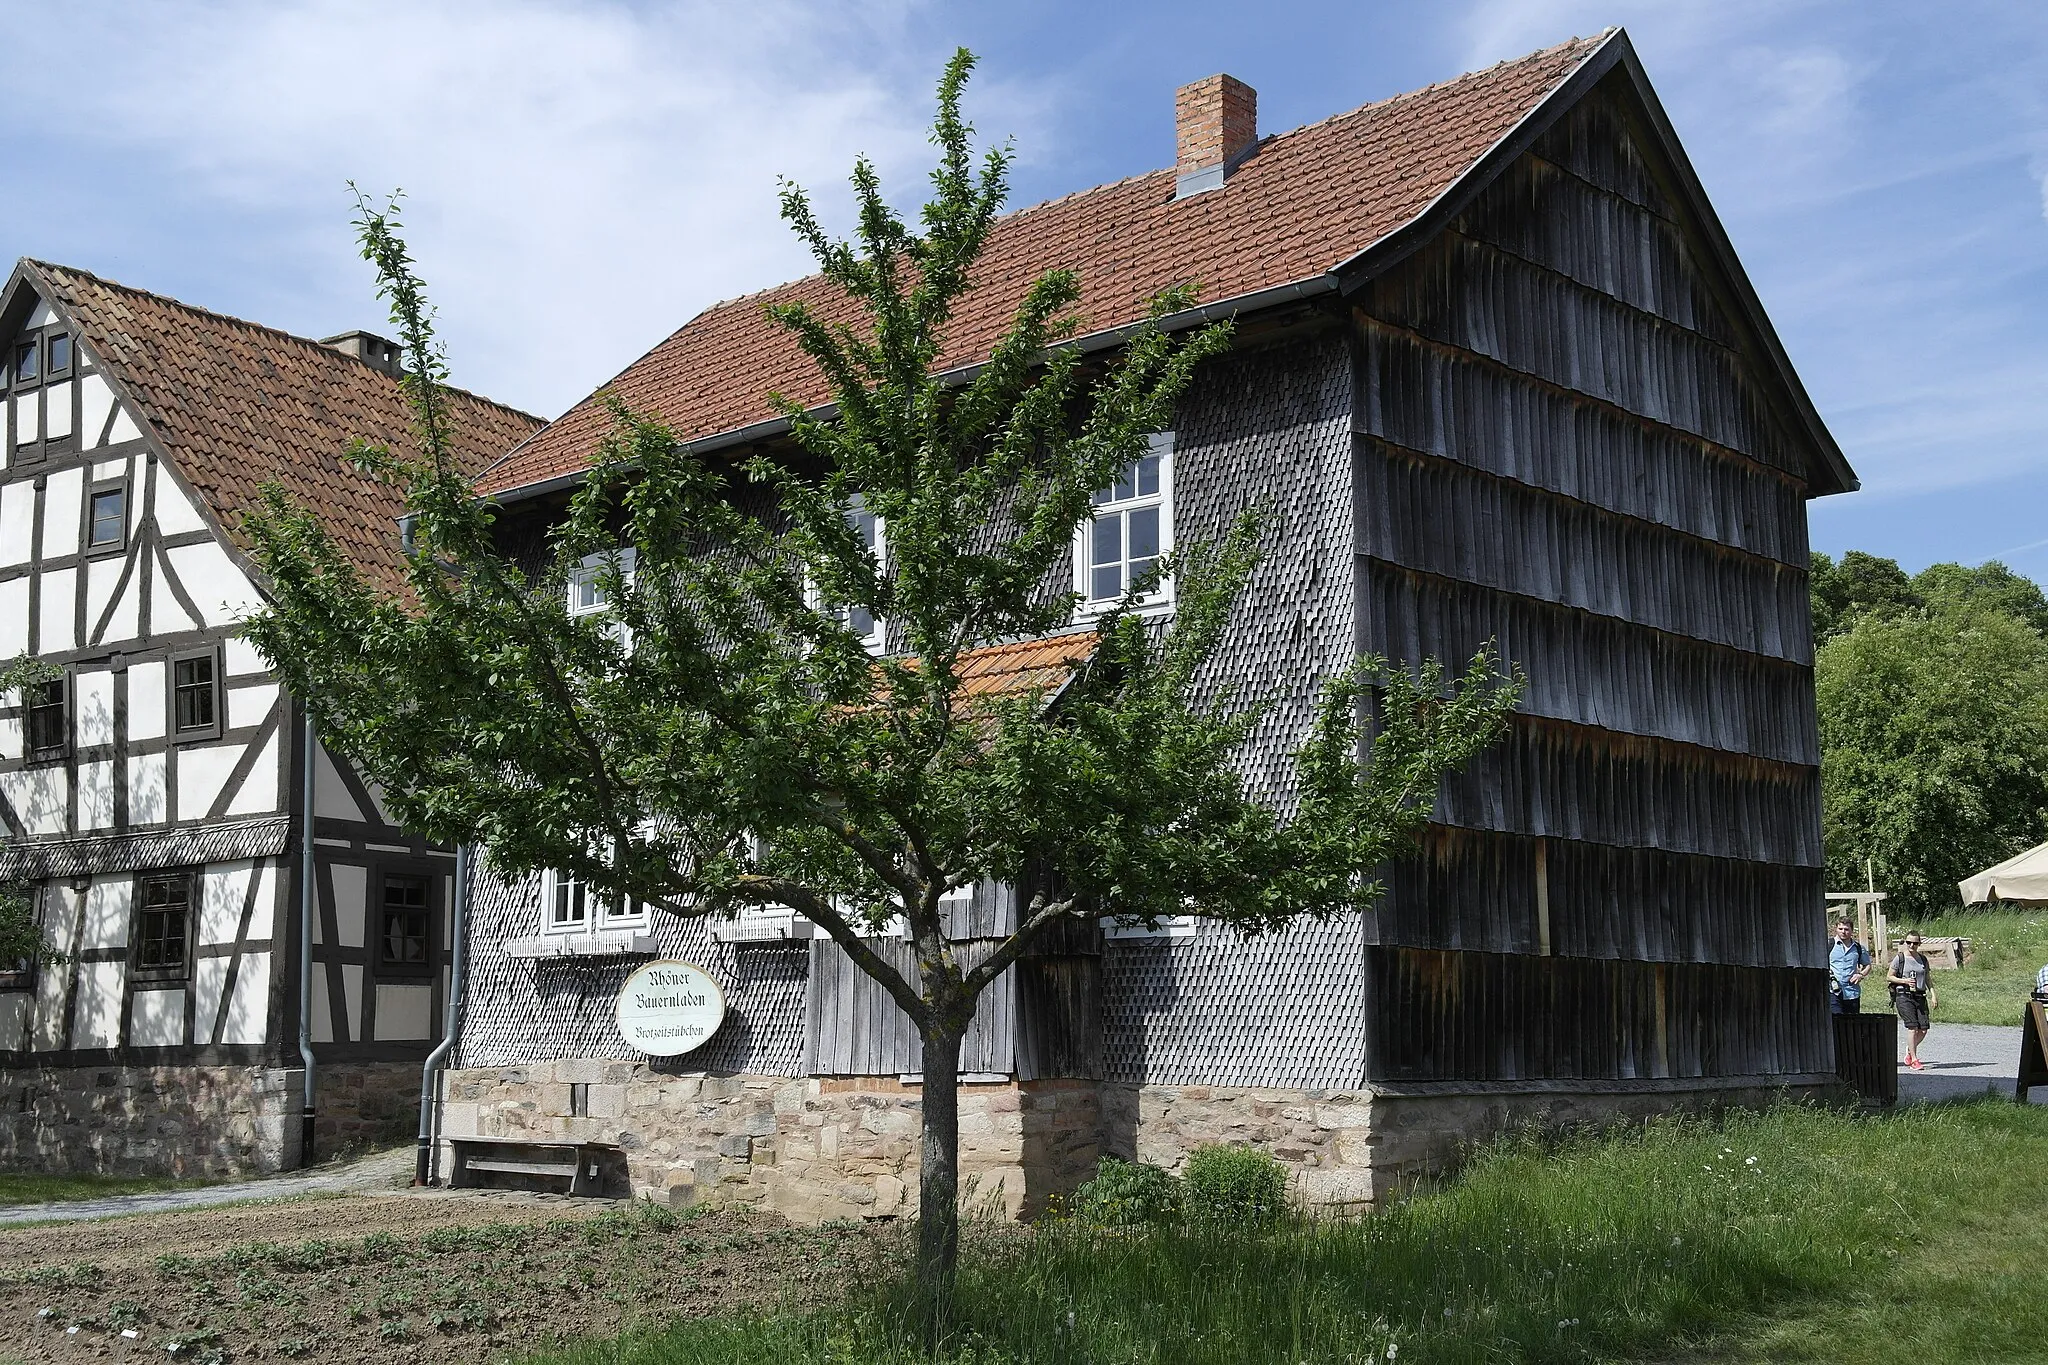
[1502, 378]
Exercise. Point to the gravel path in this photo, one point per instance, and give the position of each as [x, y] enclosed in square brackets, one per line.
[1964, 1059]
[390, 1170]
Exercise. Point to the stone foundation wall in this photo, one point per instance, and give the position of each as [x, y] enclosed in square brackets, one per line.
[810, 1149]
[197, 1120]
[364, 1105]
[826, 1147]
[150, 1120]
[1348, 1150]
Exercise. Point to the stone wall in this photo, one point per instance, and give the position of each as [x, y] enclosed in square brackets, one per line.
[197, 1120]
[1348, 1150]
[150, 1120]
[363, 1105]
[810, 1149]
[846, 1147]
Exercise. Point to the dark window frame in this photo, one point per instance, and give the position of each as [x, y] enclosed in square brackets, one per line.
[32, 753]
[139, 913]
[180, 735]
[21, 976]
[93, 490]
[50, 368]
[32, 342]
[430, 878]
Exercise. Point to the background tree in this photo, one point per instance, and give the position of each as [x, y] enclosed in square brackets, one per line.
[721, 737]
[1934, 748]
[1861, 583]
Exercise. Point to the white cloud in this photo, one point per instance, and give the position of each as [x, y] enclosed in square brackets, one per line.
[581, 177]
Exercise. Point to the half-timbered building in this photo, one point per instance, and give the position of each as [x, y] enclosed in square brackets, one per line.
[1501, 374]
[153, 787]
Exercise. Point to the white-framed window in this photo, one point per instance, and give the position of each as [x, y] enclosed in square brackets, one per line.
[586, 587]
[570, 905]
[1130, 528]
[874, 534]
[1166, 926]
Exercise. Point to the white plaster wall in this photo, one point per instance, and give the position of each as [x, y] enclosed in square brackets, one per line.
[13, 615]
[222, 592]
[249, 1011]
[39, 796]
[157, 1018]
[146, 789]
[10, 737]
[258, 794]
[94, 695]
[96, 794]
[61, 496]
[17, 521]
[146, 701]
[249, 705]
[241, 658]
[107, 904]
[166, 617]
[97, 1022]
[96, 400]
[28, 418]
[405, 1013]
[222, 888]
[331, 800]
[14, 1017]
[351, 903]
[124, 428]
[174, 511]
[60, 630]
[102, 577]
[352, 1002]
[57, 409]
[48, 1025]
[202, 770]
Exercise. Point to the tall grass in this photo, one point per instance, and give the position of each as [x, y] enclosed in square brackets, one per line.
[1589, 1249]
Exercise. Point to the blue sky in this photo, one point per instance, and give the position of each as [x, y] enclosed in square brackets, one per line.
[585, 176]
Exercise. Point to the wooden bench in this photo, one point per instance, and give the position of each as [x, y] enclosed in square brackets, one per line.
[578, 1165]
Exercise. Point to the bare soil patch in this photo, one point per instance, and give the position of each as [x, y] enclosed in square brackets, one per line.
[430, 1277]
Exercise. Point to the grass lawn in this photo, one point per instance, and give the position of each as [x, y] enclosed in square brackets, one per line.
[1761, 1238]
[30, 1187]
[2010, 947]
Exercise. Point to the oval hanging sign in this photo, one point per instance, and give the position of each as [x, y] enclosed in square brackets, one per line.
[668, 1008]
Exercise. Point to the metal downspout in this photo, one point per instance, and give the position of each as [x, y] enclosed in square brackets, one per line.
[306, 875]
[424, 1172]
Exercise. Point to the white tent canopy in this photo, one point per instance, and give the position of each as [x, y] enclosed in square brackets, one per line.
[2023, 877]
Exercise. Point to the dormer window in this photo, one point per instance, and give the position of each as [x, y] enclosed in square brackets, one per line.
[1129, 530]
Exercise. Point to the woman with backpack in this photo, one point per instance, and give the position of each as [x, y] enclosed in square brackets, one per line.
[1911, 996]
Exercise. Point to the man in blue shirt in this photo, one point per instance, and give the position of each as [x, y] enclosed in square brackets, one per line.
[1848, 964]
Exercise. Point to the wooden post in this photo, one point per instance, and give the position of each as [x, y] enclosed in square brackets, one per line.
[2033, 1050]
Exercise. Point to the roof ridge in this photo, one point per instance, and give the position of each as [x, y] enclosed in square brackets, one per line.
[1328, 119]
[229, 318]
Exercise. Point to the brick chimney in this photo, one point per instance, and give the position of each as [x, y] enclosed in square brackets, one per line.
[371, 349]
[1215, 126]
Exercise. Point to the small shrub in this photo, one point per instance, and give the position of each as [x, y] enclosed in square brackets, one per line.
[1126, 1194]
[1238, 1188]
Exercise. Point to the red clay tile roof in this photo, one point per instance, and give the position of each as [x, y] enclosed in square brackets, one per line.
[1307, 201]
[1025, 666]
[237, 405]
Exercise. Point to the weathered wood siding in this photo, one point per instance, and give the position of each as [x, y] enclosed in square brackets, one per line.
[1563, 446]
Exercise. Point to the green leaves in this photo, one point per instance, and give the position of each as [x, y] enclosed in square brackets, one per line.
[664, 690]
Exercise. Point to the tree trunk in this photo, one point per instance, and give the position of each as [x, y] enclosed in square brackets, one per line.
[938, 1192]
